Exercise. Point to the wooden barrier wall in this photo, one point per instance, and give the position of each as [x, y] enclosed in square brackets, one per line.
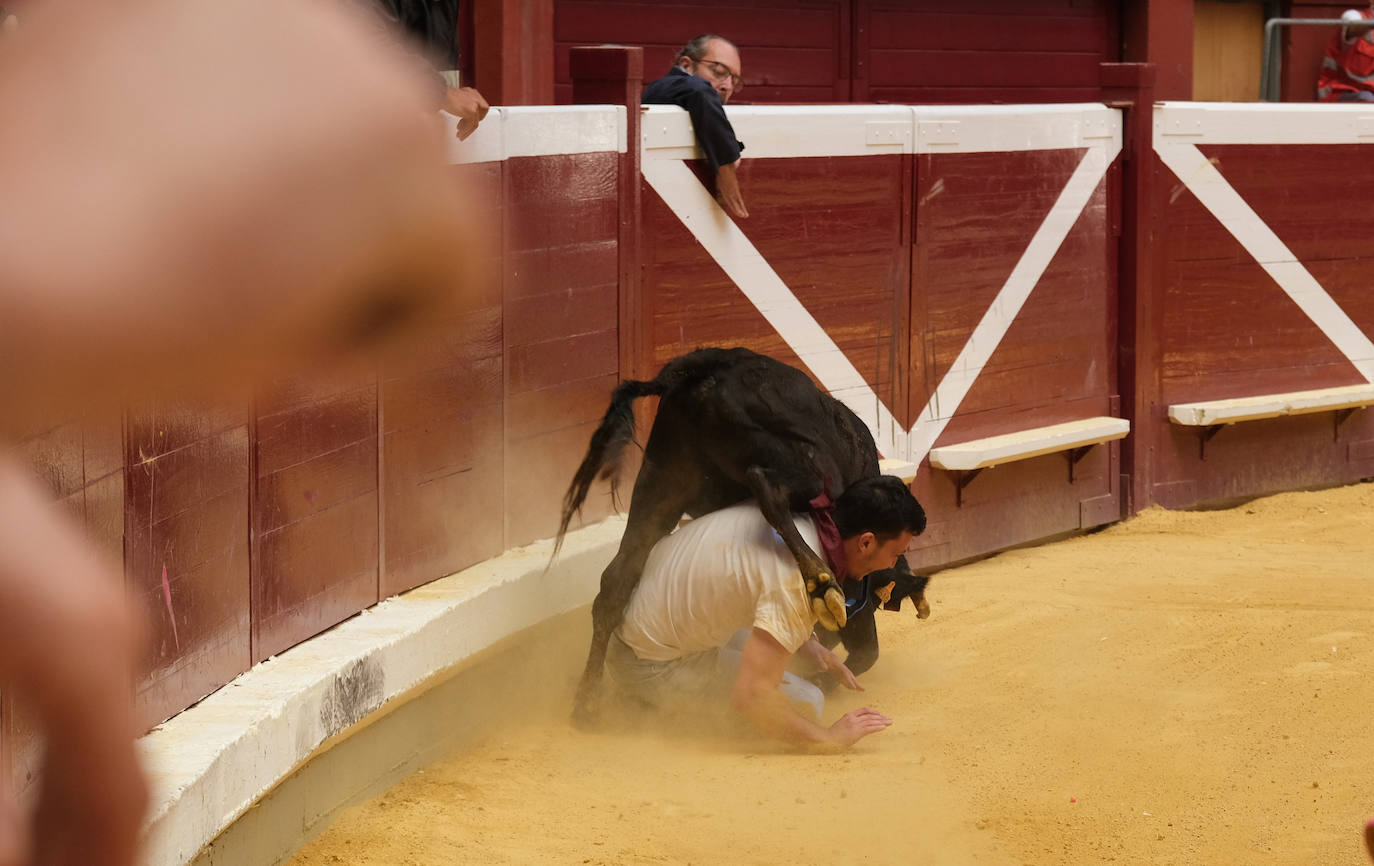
[1261, 288]
[246, 529]
[950, 273]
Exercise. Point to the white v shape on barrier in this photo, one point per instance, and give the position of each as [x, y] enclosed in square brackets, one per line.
[723, 240]
[688, 199]
[1206, 183]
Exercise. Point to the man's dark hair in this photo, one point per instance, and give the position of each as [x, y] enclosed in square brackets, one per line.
[882, 505]
[696, 49]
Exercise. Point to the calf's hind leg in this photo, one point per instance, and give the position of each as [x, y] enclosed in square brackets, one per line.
[827, 601]
[657, 504]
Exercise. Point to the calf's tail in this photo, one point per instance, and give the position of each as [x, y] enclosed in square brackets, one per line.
[608, 444]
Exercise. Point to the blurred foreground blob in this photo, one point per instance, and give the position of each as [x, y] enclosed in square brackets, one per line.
[200, 189]
[193, 193]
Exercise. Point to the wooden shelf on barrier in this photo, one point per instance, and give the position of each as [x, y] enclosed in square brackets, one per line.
[901, 468]
[1212, 415]
[1076, 438]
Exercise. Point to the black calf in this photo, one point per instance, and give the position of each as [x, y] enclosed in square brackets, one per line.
[731, 424]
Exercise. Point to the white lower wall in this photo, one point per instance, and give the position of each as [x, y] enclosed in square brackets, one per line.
[211, 763]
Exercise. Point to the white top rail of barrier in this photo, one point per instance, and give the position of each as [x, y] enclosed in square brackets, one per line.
[538, 130]
[1263, 123]
[776, 131]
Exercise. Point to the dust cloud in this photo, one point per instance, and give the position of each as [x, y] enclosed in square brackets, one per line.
[1184, 688]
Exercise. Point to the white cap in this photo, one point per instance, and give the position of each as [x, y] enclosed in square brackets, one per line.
[1352, 15]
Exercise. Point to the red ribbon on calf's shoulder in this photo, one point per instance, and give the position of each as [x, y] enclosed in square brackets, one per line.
[832, 547]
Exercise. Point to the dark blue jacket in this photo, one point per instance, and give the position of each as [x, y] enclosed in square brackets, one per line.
[713, 129]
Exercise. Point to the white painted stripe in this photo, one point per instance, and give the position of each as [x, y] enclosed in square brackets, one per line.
[712, 227]
[1204, 181]
[993, 326]
[789, 131]
[541, 130]
[1250, 123]
[549, 130]
[786, 131]
[1012, 128]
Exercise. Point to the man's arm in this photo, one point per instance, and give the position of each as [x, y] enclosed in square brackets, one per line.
[756, 695]
[717, 139]
[829, 663]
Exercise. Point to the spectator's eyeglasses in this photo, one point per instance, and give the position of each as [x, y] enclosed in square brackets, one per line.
[720, 72]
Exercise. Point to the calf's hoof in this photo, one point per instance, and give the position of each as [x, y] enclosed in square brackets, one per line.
[827, 602]
[585, 716]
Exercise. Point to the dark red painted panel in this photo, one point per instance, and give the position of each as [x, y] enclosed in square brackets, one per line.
[994, 51]
[316, 508]
[790, 51]
[1043, 27]
[187, 510]
[538, 470]
[975, 216]
[840, 248]
[442, 392]
[570, 404]
[835, 230]
[444, 501]
[688, 301]
[1229, 330]
[561, 328]
[315, 572]
[1014, 503]
[553, 363]
[1316, 225]
[291, 436]
[974, 69]
[1258, 457]
[21, 747]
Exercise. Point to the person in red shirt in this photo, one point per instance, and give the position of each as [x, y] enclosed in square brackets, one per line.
[1347, 73]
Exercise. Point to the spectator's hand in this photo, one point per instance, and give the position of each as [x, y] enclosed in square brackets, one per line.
[727, 191]
[857, 724]
[466, 104]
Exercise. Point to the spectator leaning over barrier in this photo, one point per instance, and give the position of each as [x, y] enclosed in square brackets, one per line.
[1347, 73]
[705, 74]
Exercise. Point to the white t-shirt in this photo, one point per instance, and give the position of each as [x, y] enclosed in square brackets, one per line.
[720, 573]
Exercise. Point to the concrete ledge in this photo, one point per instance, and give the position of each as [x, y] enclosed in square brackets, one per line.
[1024, 444]
[211, 763]
[1214, 412]
[903, 469]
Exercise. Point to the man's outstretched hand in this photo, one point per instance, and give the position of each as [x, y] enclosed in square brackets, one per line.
[857, 724]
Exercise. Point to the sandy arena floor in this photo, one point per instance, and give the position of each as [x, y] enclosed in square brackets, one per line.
[1186, 688]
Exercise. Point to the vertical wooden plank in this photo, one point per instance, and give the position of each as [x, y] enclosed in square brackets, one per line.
[186, 517]
[315, 507]
[440, 423]
[561, 347]
[513, 51]
[1131, 88]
